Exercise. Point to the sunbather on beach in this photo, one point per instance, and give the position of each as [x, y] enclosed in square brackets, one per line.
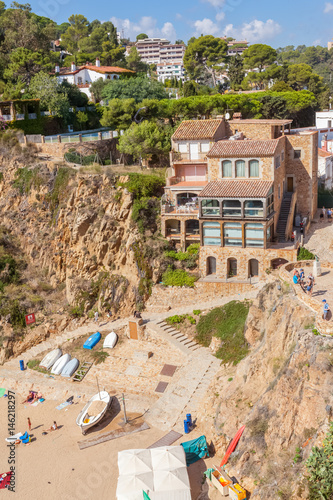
[30, 398]
[53, 427]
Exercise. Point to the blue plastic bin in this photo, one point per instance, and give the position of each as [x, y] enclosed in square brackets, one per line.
[21, 364]
[186, 427]
[189, 418]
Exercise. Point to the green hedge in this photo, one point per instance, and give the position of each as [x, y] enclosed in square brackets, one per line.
[178, 277]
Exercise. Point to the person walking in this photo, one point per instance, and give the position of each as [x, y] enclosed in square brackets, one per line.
[96, 317]
[329, 214]
[326, 308]
[323, 211]
[29, 424]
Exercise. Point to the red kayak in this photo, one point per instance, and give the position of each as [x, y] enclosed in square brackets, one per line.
[232, 446]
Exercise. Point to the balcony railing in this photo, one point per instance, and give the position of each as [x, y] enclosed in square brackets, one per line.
[183, 209]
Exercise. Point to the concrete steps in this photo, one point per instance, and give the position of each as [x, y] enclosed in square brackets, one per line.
[178, 338]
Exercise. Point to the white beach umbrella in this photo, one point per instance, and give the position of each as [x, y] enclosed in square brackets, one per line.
[130, 487]
[134, 462]
[172, 480]
[168, 458]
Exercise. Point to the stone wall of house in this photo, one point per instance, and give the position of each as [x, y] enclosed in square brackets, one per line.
[243, 256]
[255, 131]
[170, 220]
[164, 298]
[304, 171]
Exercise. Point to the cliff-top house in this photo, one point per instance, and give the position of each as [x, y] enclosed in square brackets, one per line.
[235, 187]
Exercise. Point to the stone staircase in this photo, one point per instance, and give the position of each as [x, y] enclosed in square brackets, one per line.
[283, 218]
[185, 395]
[174, 336]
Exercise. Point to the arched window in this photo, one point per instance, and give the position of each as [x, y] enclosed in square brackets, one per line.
[240, 168]
[253, 267]
[226, 168]
[254, 235]
[211, 265]
[253, 208]
[254, 168]
[232, 267]
[232, 232]
[210, 207]
[231, 208]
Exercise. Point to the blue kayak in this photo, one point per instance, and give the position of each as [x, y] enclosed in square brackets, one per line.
[92, 341]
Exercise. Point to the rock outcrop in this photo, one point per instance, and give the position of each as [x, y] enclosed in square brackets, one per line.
[281, 392]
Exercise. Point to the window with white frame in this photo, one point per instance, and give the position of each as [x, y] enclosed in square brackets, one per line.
[254, 168]
[211, 233]
[232, 233]
[210, 207]
[205, 147]
[253, 208]
[182, 148]
[254, 235]
[231, 208]
[226, 168]
[240, 168]
[270, 202]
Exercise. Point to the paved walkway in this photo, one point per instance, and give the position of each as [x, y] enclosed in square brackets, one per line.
[183, 395]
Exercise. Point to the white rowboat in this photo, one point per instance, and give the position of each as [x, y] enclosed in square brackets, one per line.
[60, 364]
[110, 340]
[50, 358]
[93, 411]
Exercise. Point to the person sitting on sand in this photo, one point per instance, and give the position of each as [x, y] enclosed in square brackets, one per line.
[53, 427]
[30, 398]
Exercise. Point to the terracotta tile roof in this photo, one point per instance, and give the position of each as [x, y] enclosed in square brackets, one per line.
[262, 121]
[243, 148]
[323, 154]
[197, 129]
[236, 189]
[189, 184]
[98, 69]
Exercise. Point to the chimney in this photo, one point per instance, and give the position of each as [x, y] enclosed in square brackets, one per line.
[57, 69]
[324, 144]
[73, 66]
[98, 62]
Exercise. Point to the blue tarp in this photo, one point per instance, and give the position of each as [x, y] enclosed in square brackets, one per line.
[195, 450]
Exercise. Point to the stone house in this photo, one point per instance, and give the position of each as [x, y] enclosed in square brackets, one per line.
[235, 187]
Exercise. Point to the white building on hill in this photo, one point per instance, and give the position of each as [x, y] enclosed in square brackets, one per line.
[84, 76]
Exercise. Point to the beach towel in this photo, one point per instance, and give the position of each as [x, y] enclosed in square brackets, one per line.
[5, 480]
[34, 404]
[63, 405]
[14, 438]
[2, 391]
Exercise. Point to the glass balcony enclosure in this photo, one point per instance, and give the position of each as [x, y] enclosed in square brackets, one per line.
[241, 209]
[210, 208]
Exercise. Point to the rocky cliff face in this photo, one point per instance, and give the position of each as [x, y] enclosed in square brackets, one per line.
[281, 392]
[75, 232]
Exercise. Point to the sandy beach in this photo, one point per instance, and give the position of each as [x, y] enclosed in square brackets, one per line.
[54, 467]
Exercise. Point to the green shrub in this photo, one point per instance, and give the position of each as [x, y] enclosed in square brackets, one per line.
[144, 186]
[196, 312]
[227, 323]
[178, 277]
[1, 176]
[320, 469]
[304, 254]
[59, 188]
[25, 178]
[33, 364]
[175, 320]
[145, 212]
[99, 356]
[77, 311]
